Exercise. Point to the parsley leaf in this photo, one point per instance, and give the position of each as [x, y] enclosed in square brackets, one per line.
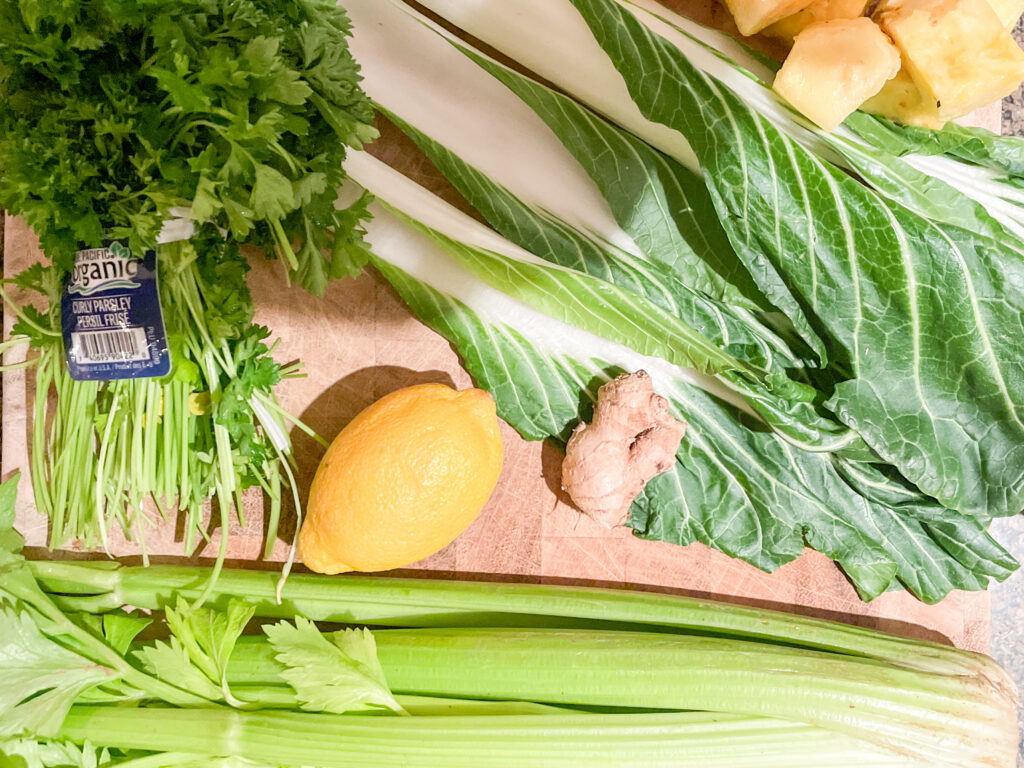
[112, 113]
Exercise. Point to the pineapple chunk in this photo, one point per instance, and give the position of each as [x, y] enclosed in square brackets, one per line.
[820, 10]
[901, 100]
[834, 66]
[752, 16]
[957, 52]
[1008, 11]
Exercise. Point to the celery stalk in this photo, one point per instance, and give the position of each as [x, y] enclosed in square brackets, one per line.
[729, 687]
[933, 717]
[680, 740]
[428, 602]
[282, 696]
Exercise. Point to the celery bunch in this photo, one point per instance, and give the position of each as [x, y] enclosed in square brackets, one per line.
[574, 677]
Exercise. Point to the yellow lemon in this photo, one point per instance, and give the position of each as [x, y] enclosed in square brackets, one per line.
[402, 480]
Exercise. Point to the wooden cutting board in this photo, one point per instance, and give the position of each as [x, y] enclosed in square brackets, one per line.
[359, 342]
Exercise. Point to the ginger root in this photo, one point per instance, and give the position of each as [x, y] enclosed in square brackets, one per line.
[632, 438]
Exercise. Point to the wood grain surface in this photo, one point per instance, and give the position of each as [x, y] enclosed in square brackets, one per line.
[359, 342]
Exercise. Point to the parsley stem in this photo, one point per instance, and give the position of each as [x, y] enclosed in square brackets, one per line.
[137, 398]
[279, 587]
[40, 475]
[272, 405]
[20, 314]
[285, 246]
[116, 491]
[169, 458]
[100, 504]
[285, 155]
[181, 413]
[15, 341]
[274, 518]
[153, 428]
[19, 366]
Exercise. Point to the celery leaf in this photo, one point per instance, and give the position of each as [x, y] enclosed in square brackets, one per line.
[10, 539]
[170, 662]
[331, 677]
[22, 753]
[209, 635]
[195, 658]
[118, 630]
[39, 679]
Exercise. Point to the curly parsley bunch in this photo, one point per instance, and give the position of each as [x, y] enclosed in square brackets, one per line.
[117, 116]
[115, 112]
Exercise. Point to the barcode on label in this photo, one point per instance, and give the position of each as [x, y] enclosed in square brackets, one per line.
[120, 346]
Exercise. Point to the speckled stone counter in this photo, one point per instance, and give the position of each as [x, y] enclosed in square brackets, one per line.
[1013, 105]
[1008, 597]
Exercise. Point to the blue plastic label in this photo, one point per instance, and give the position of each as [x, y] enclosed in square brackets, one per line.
[110, 316]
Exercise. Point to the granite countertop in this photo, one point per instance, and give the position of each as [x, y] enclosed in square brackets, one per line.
[1008, 597]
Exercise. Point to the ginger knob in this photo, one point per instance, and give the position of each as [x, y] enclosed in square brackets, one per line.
[631, 439]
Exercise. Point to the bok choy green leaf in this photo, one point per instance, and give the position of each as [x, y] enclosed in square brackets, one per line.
[824, 248]
[560, 215]
[898, 296]
[556, 214]
[736, 486]
[916, 311]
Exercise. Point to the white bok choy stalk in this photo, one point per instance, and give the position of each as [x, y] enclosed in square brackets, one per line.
[736, 486]
[642, 222]
[549, 39]
[895, 296]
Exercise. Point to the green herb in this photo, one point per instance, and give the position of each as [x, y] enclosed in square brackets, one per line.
[112, 447]
[152, 122]
[49, 658]
[114, 113]
[103, 587]
[209, 636]
[195, 657]
[605, 668]
[21, 753]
